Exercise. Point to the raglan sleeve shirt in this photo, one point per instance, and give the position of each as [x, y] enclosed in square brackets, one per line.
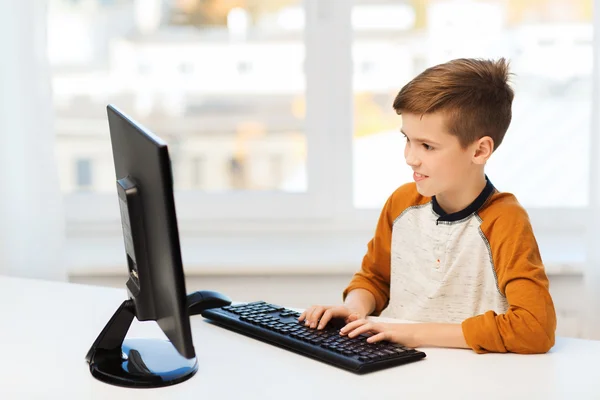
[529, 323]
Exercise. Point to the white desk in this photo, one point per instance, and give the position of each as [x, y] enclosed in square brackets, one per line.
[48, 327]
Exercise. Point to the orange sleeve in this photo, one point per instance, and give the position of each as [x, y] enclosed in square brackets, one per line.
[529, 324]
[374, 274]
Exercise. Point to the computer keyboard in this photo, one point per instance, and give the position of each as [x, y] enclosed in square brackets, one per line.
[279, 326]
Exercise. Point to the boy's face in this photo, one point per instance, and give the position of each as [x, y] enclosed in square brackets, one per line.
[440, 164]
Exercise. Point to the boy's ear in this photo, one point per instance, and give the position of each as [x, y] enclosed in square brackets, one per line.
[484, 148]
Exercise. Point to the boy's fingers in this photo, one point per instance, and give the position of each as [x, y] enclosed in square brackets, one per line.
[330, 313]
[306, 314]
[302, 316]
[376, 338]
[352, 326]
[352, 317]
[319, 316]
[360, 330]
[327, 315]
[316, 315]
[310, 315]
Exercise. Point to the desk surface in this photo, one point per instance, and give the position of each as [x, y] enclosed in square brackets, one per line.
[47, 328]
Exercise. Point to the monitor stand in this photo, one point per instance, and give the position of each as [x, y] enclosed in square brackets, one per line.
[144, 363]
[136, 363]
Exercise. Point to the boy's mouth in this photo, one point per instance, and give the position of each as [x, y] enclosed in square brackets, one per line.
[419, 177]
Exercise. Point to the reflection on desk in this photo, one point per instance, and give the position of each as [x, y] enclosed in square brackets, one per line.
[47, 328]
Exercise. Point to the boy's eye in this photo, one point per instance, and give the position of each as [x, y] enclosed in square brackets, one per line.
[427, 147]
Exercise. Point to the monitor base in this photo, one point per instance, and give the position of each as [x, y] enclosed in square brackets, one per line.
[136, 363]
[143, 363]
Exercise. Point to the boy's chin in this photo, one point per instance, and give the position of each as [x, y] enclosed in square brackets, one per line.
[424, 191]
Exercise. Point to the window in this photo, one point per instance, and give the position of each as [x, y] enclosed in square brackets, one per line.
[549, 44]
[279, 114]
[200, 77]
[224, 82]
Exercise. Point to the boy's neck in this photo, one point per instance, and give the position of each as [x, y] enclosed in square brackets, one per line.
[461, 198]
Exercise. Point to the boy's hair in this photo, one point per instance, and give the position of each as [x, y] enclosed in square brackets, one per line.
[473, 93]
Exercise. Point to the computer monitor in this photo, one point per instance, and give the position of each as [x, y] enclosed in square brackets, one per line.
[155, 284]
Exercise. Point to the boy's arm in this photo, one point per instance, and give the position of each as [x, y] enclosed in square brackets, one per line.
[374, 275]
[529, 324]
[439, 335]
[360, 300]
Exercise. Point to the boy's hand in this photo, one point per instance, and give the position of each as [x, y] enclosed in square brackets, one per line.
[404, 334]
[319, 316]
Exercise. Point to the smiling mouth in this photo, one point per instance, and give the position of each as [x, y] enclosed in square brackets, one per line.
[419, 177]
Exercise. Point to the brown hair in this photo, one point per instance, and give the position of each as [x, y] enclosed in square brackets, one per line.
[474, 94]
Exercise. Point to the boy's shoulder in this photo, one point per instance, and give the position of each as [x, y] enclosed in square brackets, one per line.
[404, 197]
[503, 210]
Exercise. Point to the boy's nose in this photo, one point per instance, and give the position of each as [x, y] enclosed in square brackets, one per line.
[411, 160]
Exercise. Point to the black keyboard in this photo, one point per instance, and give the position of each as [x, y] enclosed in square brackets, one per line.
[279, 326]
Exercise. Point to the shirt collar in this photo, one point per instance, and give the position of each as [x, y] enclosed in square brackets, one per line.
[470, 209]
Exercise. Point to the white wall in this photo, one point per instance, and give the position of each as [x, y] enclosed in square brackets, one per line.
[31, 216]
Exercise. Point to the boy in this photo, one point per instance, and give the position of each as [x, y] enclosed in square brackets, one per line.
[450, 251]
